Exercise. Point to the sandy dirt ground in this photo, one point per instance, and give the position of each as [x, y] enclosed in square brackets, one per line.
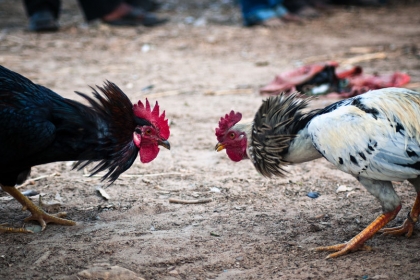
[199, 67]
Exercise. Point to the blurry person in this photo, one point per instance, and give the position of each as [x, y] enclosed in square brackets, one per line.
[43, 14]
[271, 13]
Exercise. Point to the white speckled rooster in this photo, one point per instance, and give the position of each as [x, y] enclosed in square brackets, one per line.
[375, 137]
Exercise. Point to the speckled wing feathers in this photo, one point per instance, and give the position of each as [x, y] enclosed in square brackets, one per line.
[373, 136]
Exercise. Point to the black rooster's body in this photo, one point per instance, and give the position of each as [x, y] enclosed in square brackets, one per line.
[39, 126]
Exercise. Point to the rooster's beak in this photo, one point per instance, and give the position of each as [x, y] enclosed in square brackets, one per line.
[164, 143]
[219, 147]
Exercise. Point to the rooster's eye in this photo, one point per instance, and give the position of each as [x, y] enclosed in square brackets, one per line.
[232, 135]
[148, 131]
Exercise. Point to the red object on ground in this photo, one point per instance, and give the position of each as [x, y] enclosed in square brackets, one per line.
[342, 83]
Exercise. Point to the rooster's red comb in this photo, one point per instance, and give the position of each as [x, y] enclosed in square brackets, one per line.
[226, 123]
[159, 122]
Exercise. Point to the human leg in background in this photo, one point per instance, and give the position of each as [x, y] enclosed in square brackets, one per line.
[117, 12]
[43, 14]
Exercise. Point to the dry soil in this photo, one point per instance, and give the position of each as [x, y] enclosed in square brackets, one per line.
[199, 67]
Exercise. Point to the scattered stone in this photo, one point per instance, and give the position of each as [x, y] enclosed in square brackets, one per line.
[30, 193]
[313, 194]
[380, 276]
[108, 272]
[42, 258]
[103, 193]
[174, 272]
[33, 228]
[215, 189]
[343, 188]
[261, 63]
[314, 228]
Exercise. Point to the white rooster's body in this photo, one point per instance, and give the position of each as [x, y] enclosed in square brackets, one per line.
[375, 137]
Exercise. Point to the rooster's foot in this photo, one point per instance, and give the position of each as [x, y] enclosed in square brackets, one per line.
[38, 214]
[343, 249]
[357, 242]
[406, 228]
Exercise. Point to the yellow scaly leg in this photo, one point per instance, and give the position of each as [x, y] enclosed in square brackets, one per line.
[37, 213]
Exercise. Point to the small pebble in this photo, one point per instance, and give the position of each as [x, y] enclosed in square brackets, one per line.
[343, 188]
[147, 88]
[173, 272]
[30, 193]
[313, 194]
[33, 228]
[214, 189]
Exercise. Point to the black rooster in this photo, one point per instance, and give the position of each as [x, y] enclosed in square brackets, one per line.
[39, 126]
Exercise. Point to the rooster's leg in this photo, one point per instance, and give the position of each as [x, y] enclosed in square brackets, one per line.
[357, 242]
[408, 225]
[37, 213]
[391, 205]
